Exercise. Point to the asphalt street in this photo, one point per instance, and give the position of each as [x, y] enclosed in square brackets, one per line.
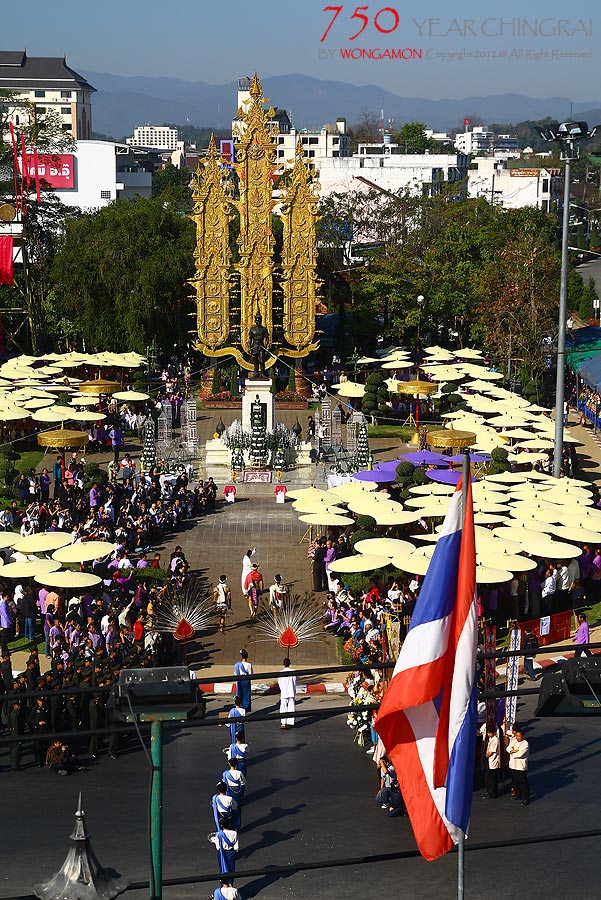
[310, 797]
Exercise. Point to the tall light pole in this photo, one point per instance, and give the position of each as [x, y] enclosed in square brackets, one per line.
[567, 135]
[420, 302]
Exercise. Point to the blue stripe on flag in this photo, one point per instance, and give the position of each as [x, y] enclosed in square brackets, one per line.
[460, 777]
[439, 589]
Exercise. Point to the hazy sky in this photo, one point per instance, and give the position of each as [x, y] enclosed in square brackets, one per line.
[217, 41]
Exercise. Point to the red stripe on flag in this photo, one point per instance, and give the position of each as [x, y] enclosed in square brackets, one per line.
[466, 584]
[431, 834]
[412, 687]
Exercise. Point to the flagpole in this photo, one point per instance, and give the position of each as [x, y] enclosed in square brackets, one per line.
[465, 476]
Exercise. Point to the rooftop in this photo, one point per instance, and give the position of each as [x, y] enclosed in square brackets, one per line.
[21, 72]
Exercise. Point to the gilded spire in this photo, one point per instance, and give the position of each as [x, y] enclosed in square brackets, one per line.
[256, 91]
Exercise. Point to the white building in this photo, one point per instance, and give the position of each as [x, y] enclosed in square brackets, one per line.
[480, 140]
[159, 137]
[102, 172]
[514, 188]
[324, 143]
[45, 84]
[423, 173]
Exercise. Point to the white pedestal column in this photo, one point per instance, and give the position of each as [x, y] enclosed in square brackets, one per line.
[262, 390]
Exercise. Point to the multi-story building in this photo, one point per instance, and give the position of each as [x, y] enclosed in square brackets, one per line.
[40, 84]
[159, 137]
[324, 143]
[420, 173]
[101, 171]
[479, 140]
[515, 187]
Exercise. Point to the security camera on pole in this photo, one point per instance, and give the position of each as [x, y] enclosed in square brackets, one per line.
[567, 135]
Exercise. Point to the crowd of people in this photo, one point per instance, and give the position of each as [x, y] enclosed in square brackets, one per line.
[89, 639]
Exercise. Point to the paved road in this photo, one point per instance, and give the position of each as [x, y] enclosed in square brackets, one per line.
[310, 797]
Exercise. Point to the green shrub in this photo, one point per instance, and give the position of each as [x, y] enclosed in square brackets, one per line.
[419, 477]
[499, 454]
[405, 470]
[366, 522]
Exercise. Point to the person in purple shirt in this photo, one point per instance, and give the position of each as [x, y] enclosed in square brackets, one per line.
[94, 497]
[7, 621]
[44, 486]
[582, 636]
[328, 560]
[143, 562]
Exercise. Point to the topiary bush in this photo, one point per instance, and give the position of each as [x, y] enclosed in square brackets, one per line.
[498, 462]
[94, 474]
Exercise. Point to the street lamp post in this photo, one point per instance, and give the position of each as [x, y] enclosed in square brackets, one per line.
[420, 302]
[567, 135]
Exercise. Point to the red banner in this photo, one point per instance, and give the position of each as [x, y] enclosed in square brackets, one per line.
[56, 169]
[6, 260]
[550, 629]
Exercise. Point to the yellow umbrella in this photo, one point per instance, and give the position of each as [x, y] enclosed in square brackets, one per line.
[467, 353]
[83, 551]
[7, 540]
[507, 478]
[435, 501]
[64, 579]
[583, 518]
[549, 549]
[412, 563]
[360, 563]
[53, 414]
[417, 388]
[83, 400]
[38, 402]
[134, 396]
[384, 546]
[29, 568]
[512, 562]
[495, 542]
[351, 389]
[86, 416]
[62, 439]
[12, 415]
[534, 521]
[517, 434]
[432, 489]
[486, 518]
[521, 534]
[365, 505]
[303, 493]
[326, 519]
[581, 535]
[316, 506]
[391, 515]
[486, 575]
[537, 443]
[344, 492]
[43, 542]
[398, 364]
[443, 373]
[450, 438]
[99, 386]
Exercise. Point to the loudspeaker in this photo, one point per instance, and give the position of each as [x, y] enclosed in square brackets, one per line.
[149, 690]
[573, 691]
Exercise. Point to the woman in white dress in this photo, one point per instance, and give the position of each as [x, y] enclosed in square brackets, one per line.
[247, 565]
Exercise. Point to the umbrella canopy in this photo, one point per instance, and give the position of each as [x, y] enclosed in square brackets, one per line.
[549, 549]
[7, 540]
[443, 373]
[468, 353]
[351, 389]
[394, 515]
[326, 519]
[412, 563]
[134, 396]
[366, 360]
[83, 551]
[519, 534]
[12, 415]
[86, 416]
[99, 386]
[444, 476]
[452, 438]
[486, 575]
[365, 503]
[430, 490]
[64, 579]
[486, 518]
[344, 492]
[517, 434]
[384, 546]
[43, 542]
[507, 478]
[417, 388]
[533, 521]
[581, 535]
[62, 439]
[359, 563]
[376, 476]
[582, 518]
[83, 400]
[38, 402]
[52, 414]
[425, 458]
[511, 562]
[398, 364]
[304, 493]
[30, 568]
[317, 506]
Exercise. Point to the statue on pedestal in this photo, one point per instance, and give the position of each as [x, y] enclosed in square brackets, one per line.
[258, 337]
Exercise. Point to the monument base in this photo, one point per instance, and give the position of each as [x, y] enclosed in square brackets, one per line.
[257, 389]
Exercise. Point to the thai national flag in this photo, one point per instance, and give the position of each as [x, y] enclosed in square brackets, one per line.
[427, 719]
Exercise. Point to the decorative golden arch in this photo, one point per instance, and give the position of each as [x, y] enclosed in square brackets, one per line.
[228, 296]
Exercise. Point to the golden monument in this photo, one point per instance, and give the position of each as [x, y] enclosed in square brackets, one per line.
[255, 307]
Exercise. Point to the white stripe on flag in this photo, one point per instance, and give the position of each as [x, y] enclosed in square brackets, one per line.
[463, 674]
[424, 644]
[454, 519]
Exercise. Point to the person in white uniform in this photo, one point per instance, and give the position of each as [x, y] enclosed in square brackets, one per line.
[287, 686]
[246, 567]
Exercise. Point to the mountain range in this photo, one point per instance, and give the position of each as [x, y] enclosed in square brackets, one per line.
[124, 102]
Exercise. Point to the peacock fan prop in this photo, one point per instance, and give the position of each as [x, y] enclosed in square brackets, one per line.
[184, 611]
[297, 620]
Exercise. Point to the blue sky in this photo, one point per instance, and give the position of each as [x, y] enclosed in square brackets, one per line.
[216, 42]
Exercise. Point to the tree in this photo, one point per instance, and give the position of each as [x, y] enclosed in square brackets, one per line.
[368, 129]
[173, 185]
[588, 299]
[412, 138]
[120, 276]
